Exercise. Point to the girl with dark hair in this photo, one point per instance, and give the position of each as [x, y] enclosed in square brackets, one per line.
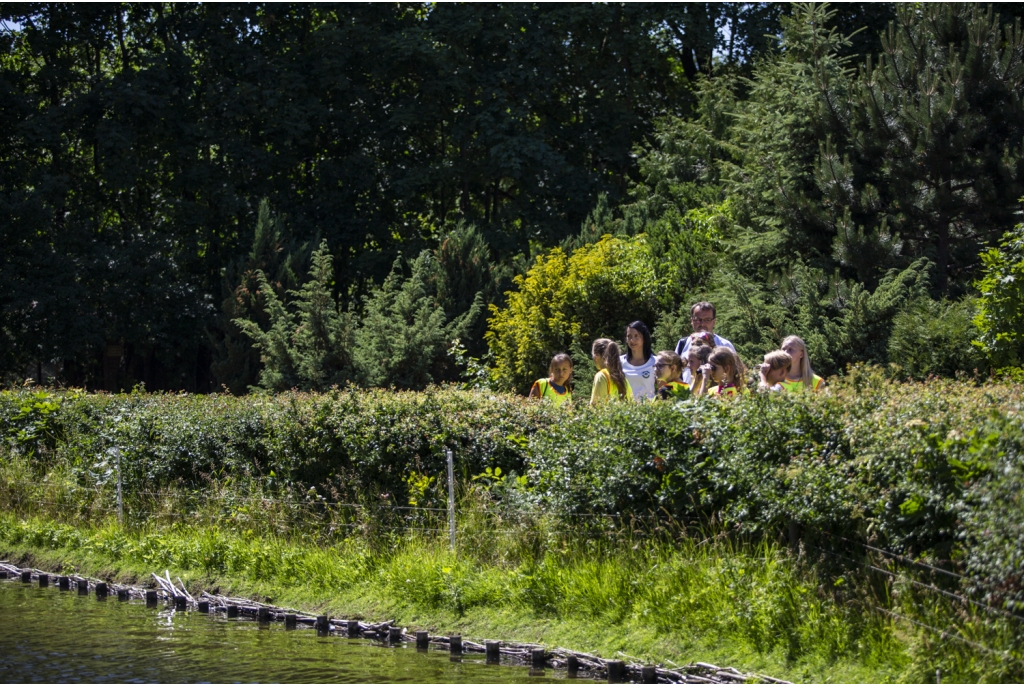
[608, 381]
[638, 362]
[555, 388]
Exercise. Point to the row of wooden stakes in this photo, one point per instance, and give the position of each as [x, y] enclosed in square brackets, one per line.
[495, 651]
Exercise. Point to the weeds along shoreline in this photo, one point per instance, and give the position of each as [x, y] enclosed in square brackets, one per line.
[868, 534]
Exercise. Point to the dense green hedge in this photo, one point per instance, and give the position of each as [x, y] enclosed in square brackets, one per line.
[930, 469]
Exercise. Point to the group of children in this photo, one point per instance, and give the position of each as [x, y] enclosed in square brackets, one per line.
[704, 369]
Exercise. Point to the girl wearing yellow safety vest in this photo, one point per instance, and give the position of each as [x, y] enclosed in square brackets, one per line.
[609, 381]
[724, 372]
[801, 377]
[669, 368]
[555, 388]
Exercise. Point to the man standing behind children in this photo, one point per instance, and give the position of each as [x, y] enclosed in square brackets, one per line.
[702, 318]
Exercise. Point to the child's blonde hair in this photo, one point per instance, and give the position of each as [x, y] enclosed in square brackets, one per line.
[609, 353]
[806, 372]
[776, 359]
[723, 356]
[670, 358]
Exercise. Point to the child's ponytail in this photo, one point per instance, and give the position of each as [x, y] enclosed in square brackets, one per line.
[609, 353]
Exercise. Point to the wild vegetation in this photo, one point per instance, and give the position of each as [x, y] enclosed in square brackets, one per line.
[611, 512]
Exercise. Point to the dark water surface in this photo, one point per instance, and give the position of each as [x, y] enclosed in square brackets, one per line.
[51, 636]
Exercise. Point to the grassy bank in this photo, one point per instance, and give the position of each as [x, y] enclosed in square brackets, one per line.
[753, 606]
[871, 533]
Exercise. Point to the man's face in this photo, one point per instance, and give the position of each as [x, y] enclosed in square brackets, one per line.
[703, 321]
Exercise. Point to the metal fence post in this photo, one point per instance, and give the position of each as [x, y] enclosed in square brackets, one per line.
[120, 500]
[451, 498]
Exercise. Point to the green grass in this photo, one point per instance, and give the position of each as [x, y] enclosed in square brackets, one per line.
[676, 600]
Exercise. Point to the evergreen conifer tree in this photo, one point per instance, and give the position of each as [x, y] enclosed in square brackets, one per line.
[930, 147]
[236, 363]
[309, 348]
[405, 333]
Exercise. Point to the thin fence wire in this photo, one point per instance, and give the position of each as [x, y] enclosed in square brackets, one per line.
[945, 593]
[946, 634]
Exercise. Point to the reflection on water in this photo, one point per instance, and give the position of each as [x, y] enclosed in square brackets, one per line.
[51, 636]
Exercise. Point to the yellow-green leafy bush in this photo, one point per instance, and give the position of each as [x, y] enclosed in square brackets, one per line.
[567, 301]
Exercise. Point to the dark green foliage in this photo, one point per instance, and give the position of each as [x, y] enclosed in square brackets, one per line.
[138, 140]
[404, 333]
[932, 137]
[310, 347]
[1000, 318]
[842, 322]
[935, 338]
[467, 268]
[236, 363]
[994, 526]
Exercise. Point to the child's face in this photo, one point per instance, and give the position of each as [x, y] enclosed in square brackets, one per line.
[666, 371]
[693, 361]
[719, 372]
[794, 351]
[560, 372]
[598, 362]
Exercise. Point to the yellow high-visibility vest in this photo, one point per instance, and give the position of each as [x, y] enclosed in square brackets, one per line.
[614, 391]
[798, 385]
[548, 392]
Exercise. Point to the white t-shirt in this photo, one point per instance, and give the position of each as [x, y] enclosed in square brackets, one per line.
[683, 346]
[641, 379]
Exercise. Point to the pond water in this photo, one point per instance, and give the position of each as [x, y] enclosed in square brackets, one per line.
[51, 636]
